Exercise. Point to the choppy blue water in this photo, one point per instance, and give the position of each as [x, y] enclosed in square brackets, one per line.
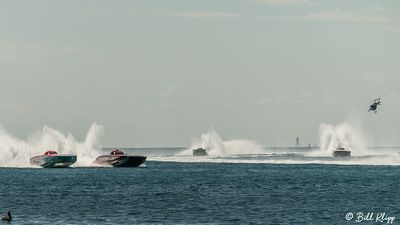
[200, 193]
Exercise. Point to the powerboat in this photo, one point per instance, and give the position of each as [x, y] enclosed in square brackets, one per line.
[118, 158]
[200, 152]
[341, 152]
[51, 159]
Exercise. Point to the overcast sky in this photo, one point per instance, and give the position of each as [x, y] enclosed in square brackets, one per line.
[158, 73]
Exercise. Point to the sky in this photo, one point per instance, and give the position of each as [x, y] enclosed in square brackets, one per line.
[161, 73]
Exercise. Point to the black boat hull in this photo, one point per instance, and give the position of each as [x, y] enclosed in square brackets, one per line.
[199, 152]
[341, 153]
[121, 161]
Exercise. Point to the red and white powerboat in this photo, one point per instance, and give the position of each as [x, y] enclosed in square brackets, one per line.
[118, 158]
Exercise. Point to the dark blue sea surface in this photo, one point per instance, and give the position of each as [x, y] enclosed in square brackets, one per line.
[200, 193]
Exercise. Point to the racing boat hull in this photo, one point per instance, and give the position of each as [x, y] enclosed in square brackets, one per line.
[121, 160]
[53, 161]
[341, 152]
[199, 152]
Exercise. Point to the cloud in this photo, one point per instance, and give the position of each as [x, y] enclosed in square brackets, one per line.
[373, 80]
[299, 98]
[331, 99]
[392, 99]
[15, 106]
[284, 2]
[379, 9]
[71, 96]
[205, 14]
[169, 91]
[283, 99]
[11, 52]
[392, 29]
[342, 16]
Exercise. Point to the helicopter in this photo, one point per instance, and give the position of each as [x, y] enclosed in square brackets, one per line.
[374, 106]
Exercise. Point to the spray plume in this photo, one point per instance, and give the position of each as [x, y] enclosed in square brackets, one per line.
[16, 152]
[342, 135]
[216, 146]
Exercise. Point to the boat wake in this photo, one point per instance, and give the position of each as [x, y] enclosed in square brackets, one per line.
[282, 158]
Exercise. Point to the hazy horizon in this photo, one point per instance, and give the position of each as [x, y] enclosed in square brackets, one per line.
[161, 73]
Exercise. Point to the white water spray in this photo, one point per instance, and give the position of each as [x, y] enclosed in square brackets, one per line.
[16, 152]
[216, 146]
[343, 135]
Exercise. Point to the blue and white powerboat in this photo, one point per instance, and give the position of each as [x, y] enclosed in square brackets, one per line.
[51, 159]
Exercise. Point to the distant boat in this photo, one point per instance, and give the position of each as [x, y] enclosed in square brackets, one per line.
[199, 152]
[118, 158]
[51, 159]
[341, 152]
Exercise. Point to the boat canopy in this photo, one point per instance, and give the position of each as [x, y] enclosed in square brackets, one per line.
[117, 152]
[50, 152]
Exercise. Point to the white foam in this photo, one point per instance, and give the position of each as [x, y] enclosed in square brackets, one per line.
[16, 152]
[282, 159]
[344, 135]
[216, 146]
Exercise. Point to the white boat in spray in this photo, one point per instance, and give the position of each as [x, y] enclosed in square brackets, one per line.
[341, 152]
[200, 152]
[118, 158]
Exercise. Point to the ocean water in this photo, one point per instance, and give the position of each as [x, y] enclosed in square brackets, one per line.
[278, 188]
